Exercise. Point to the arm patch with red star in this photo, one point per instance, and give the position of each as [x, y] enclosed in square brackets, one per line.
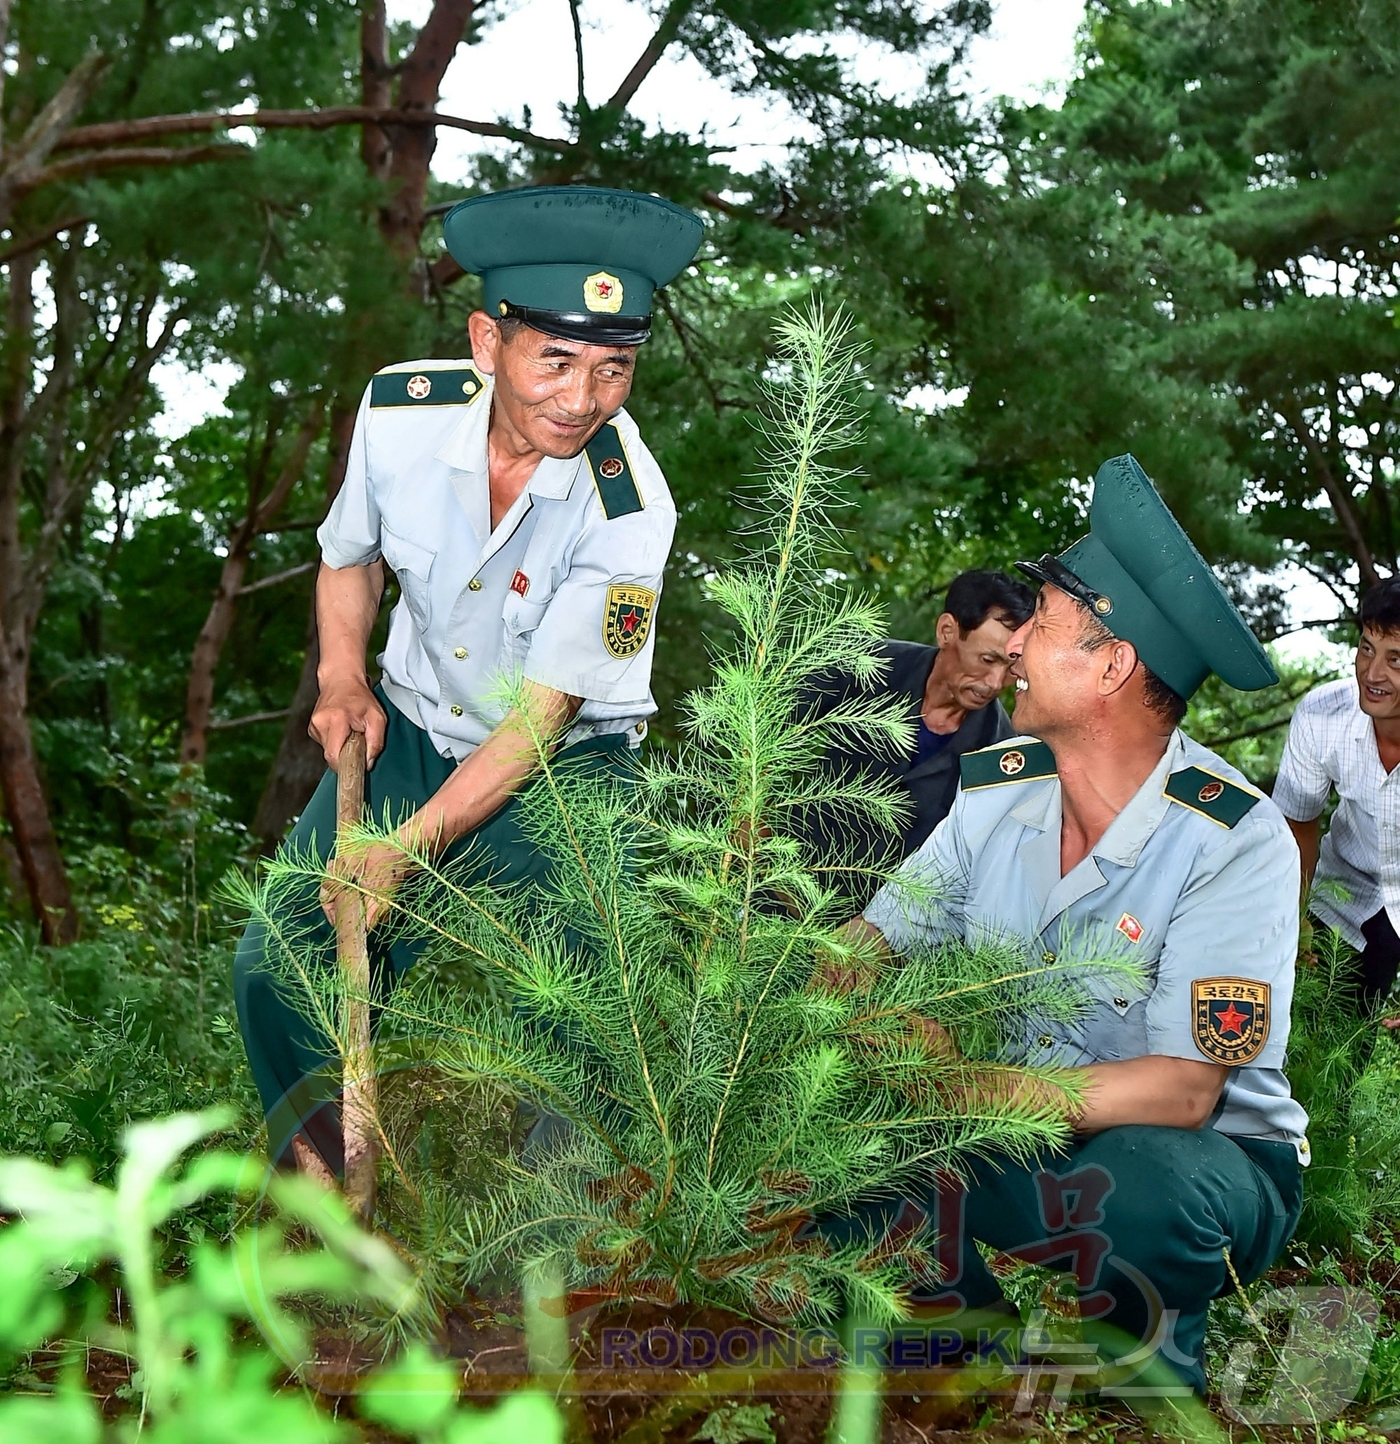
[627, 619]
[1231, 1018]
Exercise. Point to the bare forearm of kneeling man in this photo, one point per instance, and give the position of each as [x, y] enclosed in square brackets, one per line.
[1154, 1089]
[1167, 1092]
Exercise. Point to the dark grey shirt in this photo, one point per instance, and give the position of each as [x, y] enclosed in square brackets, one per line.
[930, 786]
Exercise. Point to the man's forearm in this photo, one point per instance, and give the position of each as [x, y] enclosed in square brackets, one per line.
[347, 603]
[1308, 836]
[497, 770]
[1166, 1092]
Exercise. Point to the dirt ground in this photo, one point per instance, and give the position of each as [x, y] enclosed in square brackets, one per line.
[658, 1401]
[625, 1388]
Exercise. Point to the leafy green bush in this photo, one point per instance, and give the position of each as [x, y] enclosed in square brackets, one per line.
[1347, 1078]
[130, 1025]
[198, 1376]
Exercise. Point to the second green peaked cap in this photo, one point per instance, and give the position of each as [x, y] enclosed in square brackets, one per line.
[1149, 586]
[578, 262]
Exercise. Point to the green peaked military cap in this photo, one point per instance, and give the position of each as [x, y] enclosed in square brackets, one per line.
[1149, 586]
[578, 262]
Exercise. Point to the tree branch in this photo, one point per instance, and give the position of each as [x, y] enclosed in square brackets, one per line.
[277, 578]
[666, 32]
[691, 353]
[789, 218]
[444, 271]
[45, 133]
[223, 608]
[122, 132]
[424, 66]
[41, 238]
[222, 724]
[95, 162]
[582, 101]
[1343, 503]
[290, 474]
[1264, 727]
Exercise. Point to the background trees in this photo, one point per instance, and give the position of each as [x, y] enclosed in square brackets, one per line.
[1193, 258]
[1265, 136]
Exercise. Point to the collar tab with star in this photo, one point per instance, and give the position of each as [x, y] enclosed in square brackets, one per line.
[1214, 797]
[425, 385]
[1024, 761]
[612, 473]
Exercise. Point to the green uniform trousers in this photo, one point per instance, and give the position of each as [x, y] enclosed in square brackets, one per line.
[1139, 1217]
[292, 1065]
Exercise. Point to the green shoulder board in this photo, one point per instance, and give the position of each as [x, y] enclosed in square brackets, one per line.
[459, 386]
[612, 473]
[1213, 797]
[1006, 762]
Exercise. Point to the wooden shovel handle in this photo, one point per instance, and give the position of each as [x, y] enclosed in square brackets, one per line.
[350, 781]
[358, 1102]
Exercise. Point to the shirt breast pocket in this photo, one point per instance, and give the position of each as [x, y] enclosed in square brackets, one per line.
[412, 566]
[521, 617]
[1113, 1023]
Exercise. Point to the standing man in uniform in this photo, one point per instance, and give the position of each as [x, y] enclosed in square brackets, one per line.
[1104, 833]
[528, 527]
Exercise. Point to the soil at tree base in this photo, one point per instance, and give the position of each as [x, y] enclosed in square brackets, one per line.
[668, 1406]
[647, 1407]
[634, 1412]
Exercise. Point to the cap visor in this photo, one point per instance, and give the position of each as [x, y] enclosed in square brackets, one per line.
[1035, 571]
[587, 329]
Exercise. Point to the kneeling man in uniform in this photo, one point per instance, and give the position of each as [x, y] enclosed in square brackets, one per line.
[1103, 821]
[527, 526]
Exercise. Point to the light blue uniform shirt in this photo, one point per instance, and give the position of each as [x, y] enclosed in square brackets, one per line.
[546, 595]
[1184, 898]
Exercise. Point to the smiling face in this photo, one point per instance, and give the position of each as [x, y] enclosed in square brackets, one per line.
[974, 667]
[1056, 678]
[1378, 673]
[552, 394]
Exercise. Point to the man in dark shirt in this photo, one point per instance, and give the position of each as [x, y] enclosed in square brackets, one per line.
[952, 695]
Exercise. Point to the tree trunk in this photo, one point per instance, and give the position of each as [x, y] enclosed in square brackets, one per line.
[1338, 493]
[208, 648]
[27, 808]
[299, 763]
[411, 148]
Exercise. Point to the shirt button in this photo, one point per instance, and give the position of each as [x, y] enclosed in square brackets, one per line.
[1045, 1040]
[460, 653]
[474, 585]
[1120, 1002]
[456, 710]
[1049, 958]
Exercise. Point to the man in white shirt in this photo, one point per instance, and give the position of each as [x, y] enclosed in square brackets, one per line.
[528, 527]
[1346, 736]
